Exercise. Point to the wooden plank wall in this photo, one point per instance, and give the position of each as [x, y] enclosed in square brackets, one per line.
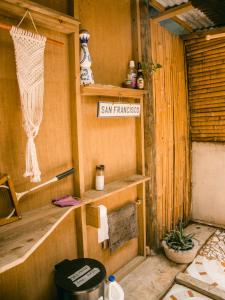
[34, 278]
[53, 143]
[110, 44]
[171, 131]
[64, 6]
[111, 142]
[206, 80]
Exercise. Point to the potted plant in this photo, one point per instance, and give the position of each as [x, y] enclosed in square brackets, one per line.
[180, 247]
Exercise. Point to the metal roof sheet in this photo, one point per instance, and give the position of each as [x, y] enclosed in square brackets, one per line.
[214, 9]
[171, 3]
[195, 18]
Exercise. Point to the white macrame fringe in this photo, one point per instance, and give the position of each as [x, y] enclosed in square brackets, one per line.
[29, 52]
[32, 169]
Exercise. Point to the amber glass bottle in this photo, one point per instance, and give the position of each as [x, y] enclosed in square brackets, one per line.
[140, 78]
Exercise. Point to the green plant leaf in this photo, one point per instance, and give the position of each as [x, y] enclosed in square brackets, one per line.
[177, 240]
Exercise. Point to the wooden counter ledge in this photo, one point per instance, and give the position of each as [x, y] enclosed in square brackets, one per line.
[18, 240]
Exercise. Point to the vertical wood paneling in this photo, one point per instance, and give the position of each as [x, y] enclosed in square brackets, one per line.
[63, 6]
[171, 129]
[54, 138]
[112, 142]
[110, 44]
[34, 279]
[206, 74]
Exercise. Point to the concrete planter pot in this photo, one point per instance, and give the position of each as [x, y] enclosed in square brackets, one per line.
[180, 257]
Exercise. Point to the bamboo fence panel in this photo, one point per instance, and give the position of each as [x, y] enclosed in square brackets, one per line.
[201, 60]
[208, 53]
[204, 44]
[172, 130]
[204, 68]
[212, 72]
[208, 48]
[207, 90]
[205, 84]
[204, 56]
[206, 78]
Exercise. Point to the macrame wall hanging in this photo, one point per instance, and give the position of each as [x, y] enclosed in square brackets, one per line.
[29, 53]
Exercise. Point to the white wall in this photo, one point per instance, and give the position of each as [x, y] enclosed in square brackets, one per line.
[208, 182]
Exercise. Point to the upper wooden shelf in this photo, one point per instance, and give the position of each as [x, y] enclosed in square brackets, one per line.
[113, 188]
[111, 91]
[43, 16]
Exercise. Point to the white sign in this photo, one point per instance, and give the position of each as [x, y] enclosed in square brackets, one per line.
[82, 280]
[79, 273]
[115, 109]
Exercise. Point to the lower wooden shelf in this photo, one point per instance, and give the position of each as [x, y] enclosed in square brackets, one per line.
[18, 240]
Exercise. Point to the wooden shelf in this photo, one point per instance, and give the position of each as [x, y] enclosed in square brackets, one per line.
[113, 188]
[43, 16]
[111, 91]
[18, 240]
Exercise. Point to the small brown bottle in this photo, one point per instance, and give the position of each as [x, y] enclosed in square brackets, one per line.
[140, 78]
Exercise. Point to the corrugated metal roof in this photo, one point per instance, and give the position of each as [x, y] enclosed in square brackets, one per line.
[195, 18]
[214, 9]
[171, 3]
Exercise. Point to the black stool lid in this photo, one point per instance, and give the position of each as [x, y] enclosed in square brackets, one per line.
[79, 275]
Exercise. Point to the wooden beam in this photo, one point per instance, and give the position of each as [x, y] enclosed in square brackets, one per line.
[202, 35]
[172, 12]
[149, 126]
[161, 9]
[215, 36]
[135, 29]
[43, 16]
[200, 286]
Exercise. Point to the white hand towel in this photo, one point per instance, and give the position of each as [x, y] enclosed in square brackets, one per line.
[103, 231]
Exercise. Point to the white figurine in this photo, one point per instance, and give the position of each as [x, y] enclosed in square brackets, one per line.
[86, 75]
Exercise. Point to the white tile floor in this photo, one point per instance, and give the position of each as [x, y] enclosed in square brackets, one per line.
[179, 292]
[209, 265]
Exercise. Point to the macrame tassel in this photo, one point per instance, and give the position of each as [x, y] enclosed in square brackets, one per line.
[32, 119]
[29, 52]
[32, 168]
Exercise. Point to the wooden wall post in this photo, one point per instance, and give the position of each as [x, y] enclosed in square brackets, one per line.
[77, 144]
[142, 52]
